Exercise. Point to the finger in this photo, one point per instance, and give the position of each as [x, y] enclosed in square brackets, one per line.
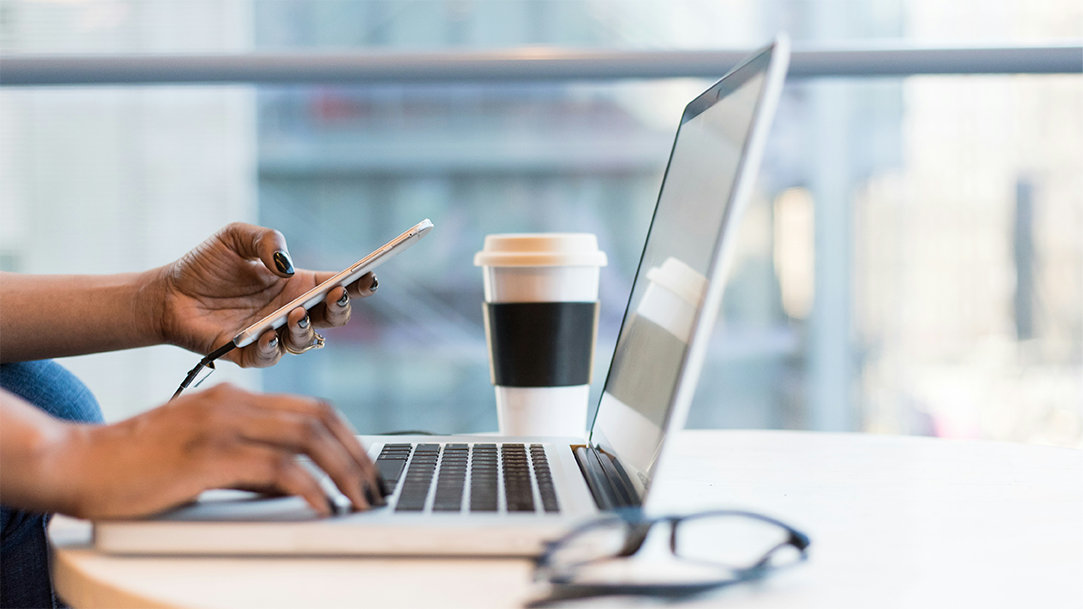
[266, 491]
[263, 353]
[334, 310]
[300, 332]
[308, 435]
[329, 313]
[339, 427]
[347, 436]
[256, 466]
[365, 286]
[315, 428]
[336, 307]
[266, 244]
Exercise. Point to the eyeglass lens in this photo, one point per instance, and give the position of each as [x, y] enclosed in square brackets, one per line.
[733, 541]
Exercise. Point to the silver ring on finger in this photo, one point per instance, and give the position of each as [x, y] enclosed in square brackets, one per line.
[317, 343]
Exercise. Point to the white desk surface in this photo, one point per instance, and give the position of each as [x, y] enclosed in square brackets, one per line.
[894, 522]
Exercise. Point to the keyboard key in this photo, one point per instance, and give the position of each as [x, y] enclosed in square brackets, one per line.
[546, 490]
[449, 486]
[483, 479]
[518, 493]
[390, 469]
[419, 474]
[397, 448]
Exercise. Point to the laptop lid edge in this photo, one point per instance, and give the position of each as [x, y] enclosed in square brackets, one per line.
[777, 56]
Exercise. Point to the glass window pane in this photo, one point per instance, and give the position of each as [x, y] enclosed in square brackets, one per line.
[911, 262]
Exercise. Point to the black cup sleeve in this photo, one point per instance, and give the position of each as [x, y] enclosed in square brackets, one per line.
[541, 344]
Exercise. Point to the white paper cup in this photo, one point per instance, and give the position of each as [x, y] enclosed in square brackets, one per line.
[541, 321]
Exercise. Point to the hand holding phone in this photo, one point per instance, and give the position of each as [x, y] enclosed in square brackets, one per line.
[312, 297]
[345, 277]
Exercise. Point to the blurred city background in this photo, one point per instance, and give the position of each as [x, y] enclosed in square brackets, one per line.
[912, 262]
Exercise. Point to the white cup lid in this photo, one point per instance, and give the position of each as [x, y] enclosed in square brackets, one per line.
[541, 249]
[681, 279]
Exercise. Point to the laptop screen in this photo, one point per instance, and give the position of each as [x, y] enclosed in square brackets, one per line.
[695, 210]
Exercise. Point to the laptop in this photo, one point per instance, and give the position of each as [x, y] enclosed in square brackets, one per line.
[495, 495]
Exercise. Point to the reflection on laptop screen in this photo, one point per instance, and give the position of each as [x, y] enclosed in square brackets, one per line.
[693, 209]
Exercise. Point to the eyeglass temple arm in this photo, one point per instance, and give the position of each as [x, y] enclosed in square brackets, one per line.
[206, 362]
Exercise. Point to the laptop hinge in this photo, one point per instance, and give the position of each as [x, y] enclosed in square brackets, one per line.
[606, 479]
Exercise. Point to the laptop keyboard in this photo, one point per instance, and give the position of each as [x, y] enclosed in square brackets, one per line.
[469, 477]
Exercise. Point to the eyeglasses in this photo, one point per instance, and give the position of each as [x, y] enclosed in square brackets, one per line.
[713, 549]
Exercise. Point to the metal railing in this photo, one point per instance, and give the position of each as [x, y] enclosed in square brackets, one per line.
[523, 64]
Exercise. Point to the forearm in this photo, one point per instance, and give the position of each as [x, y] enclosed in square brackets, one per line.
[44, 316]
[31, 442]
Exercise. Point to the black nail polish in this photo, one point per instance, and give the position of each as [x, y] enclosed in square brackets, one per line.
[303, 323]
[375, 284]
[366, 490]
[383, 486]
[345, 299]
[273, 343]
[283, 262]
[331, 505]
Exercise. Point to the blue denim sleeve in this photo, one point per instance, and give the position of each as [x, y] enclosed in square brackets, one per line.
[25, 580]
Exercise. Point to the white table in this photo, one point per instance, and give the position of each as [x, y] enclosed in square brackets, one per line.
[894, 522]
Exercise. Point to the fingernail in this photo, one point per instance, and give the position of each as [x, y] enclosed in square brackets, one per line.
[379, 497]
[303, 323]
[383, 486]
[375, 284]
[345, 299]
[331, 507]
[366, 490]
[283, 262]
[273, 343]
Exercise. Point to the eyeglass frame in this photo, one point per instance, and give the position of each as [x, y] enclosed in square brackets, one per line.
[637, 530]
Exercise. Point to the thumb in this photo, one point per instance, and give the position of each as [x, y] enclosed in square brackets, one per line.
[267, 244]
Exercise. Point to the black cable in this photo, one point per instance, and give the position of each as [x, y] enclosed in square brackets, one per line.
[206, 362]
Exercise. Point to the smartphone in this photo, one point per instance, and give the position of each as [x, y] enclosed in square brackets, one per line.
[317, 294]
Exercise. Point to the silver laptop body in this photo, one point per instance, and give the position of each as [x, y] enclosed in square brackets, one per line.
[652, 377]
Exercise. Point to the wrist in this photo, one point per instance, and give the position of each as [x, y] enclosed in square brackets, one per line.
[63, 463]
[151, 305]
[91, 465]
[46, 450]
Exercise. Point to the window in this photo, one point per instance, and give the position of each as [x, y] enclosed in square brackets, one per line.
[911, 264]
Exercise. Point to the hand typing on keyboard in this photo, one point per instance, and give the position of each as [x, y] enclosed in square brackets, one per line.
[338, 503]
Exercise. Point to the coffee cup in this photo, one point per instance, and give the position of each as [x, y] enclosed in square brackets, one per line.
[541, 322]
